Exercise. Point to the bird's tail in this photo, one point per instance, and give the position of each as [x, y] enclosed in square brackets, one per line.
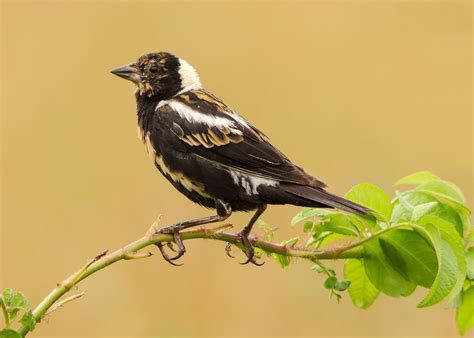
[317, 197]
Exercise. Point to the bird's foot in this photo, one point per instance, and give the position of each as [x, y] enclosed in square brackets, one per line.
[249, 250]
[172, 230]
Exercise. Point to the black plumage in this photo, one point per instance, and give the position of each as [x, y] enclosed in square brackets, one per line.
[210, 153]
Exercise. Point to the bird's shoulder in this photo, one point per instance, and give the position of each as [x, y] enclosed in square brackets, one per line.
[200, 118]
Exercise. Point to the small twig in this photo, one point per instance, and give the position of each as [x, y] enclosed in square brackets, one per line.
[61, 303]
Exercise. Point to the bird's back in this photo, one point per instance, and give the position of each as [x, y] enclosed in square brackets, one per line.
[208, 152]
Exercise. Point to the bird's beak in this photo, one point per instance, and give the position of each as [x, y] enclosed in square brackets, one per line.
[128, 72]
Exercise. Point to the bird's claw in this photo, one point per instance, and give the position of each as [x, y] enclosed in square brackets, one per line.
[250, 252]
[172, 230]
[228, 249]
[166, 256]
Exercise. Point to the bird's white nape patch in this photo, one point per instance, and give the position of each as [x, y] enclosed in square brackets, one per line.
[189, 77]
[251, 183]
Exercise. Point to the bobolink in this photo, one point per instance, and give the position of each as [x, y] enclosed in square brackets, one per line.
[211, 154]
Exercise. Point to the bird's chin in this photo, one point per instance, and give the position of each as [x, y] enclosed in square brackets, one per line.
[144, 89]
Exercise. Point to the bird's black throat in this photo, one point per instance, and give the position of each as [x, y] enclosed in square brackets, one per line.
[145, 109]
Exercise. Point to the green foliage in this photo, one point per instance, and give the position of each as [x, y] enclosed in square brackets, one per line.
[372, 197]
[331, 283]
[451, 260]
[363, 293]
[281, 260]
[417, 178]
[382, 274]
[8, 333]
[15, 307]
[411, 255]
[417, 239]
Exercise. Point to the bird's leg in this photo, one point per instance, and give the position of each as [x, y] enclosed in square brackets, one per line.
[245, 232]
[223, 212]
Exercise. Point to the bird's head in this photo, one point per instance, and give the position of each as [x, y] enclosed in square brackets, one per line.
[160, 74]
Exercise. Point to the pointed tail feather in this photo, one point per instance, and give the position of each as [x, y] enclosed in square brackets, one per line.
[318, 197]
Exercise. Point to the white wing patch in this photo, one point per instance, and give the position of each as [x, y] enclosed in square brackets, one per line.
[251, 183]
[195, 116]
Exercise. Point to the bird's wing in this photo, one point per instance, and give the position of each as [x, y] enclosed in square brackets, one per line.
[213, 131]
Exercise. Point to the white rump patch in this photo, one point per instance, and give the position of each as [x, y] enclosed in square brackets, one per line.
[195, 116]
[189, 76]
[251, 183]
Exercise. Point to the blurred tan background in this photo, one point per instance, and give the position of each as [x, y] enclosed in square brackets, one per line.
[352, 91]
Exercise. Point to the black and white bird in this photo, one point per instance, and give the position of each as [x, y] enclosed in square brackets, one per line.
[210, 153]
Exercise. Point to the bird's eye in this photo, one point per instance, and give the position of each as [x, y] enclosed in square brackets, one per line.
[153, 70]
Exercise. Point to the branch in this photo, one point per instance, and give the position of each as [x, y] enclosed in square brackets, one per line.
[152, 237]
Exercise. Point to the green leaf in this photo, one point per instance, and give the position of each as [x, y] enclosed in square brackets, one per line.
[465, 312]
[342, 285]
[417, 178]
[290, 242]
[320, 268]
[28, 320]
[411, 255]
[443, 188]
[18, 302]
[470, 263]
[309, 213]
[326, 240]
[422, 209]
[7, 295]
[446, 193]
[8, 333]
[451, 261]
[269, 232]
[336, 223]
[330, 282]
[264, 225]
[455, 302]
[382, 274]
[371, 196]
[282, 261]
[404, 209]
[307, 226]
[362, 292]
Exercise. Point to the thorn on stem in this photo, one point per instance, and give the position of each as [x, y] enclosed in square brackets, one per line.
[62, 303]
[102, 254]
[153, 230]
